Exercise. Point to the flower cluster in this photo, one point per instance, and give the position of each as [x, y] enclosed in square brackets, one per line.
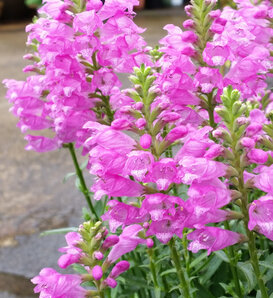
[179, 154]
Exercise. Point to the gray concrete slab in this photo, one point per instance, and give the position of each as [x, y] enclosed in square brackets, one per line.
[32, 195]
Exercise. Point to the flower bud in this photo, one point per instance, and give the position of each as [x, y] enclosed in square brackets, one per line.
[214, 151]
[120, 124]
[119, 268]
[188, 24]
[145, 141]
[170, 117]
[177, 133]
[189, 36]
[98, 255]
[258, 156]
[149, 243]
[110, 282]
[140, 123]
[247, 142]
[110, 241]
[97, 272]
[188, 10]
[214, 14]
[138, 106]
[146, 225]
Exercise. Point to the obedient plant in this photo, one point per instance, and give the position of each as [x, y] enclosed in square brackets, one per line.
[182, 160]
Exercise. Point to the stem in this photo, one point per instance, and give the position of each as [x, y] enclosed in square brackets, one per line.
[184, 287]
[79, 173]
[152, 267]
[211, 111]
[233, 265]
[244, 207]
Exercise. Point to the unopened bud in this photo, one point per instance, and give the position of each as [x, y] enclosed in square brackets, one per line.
[119, 268]
[149, 243]
[97, 272]
[145, 141]
[98, 255]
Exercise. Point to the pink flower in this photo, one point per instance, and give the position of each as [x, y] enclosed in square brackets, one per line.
[208, 79]
[264, 180]
[212, 239]
[116, 186]
[128, 241]
[87, 22]
[41, 144]
[215, 54]
[53, 284]
[73, 253]
[138, 164]
[163, 173]
[121, 214]
[176, 133]
[110, 241]
[261, 216]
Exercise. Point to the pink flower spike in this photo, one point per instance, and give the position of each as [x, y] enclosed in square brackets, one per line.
[261, 216]
[212, 239]
[97, 272]
[119, 268]
[145, 141]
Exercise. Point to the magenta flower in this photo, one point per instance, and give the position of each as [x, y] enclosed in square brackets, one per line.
[138, 164]
[72, 252]
[261, 216]
[212, 239]
[264, 180]
[128, 241]
[50, 283]
[121, 214]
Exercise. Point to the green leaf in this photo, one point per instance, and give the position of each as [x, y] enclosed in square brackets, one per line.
[222, 255]
[79, 269]
[248, 274]
[59, 231]
[197, 260]
[172, 270]
[67, 176]
[213, 265]
[266, 265]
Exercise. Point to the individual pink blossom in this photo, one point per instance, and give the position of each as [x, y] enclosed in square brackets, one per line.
[119, 268]
[138, 164]
[163, 173]
[261, 216]
[53, 284]
[214, 151]
[212, 239]
[116, 186]
[149, 243]
[158, 205]
[208, 79]
[98, 255]
[41, 144]
[264, 180]
[215, 55]
[72, 252]
[128, 241]
[247, 142]
[121, 214]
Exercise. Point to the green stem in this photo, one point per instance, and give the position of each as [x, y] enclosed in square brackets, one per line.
[152, 267]
[211, 111]
[244, 207]
[79, 173]
[184, 287]
[233, 265]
